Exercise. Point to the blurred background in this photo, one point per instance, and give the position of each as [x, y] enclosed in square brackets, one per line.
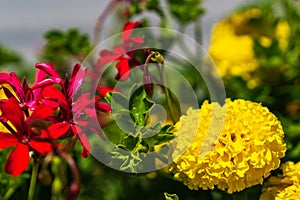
[23, 23]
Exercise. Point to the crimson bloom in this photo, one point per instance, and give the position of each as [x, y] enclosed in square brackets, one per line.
[72, 104]
[125, 53]
[22, 134]
[22, 91]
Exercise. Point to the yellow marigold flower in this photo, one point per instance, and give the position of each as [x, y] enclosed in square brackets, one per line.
[248, 145]
[233, 54]
[232, 43]
[285, 186]
[282, 32]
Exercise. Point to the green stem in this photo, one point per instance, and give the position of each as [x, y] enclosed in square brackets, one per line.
[100, 21]
[166, 90]
[34, 172]
[240, 195]
[159, 59]
[198, 38]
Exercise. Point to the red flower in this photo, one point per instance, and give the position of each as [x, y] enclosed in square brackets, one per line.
[72, 103]
[22, 91]
[100, 105]
[22, 135]
[125, 53]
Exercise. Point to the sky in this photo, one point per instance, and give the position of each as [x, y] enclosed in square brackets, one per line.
[22, 23]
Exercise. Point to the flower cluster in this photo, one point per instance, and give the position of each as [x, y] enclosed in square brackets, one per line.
[124, 54]
[232, 43]
[248, 146]
[35, 119]
[283, 186]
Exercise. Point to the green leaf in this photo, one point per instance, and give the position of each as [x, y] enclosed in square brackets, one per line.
[186, 11]
[129, 162]
[140, 106]
[163, 135]
[171, 196]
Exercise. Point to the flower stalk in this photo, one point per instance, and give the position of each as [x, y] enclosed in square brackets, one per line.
[157, 57]
[33, 179]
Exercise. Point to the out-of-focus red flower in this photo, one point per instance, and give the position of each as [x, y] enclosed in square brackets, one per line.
[100, 105]
[102, 90]
[123, 54]
[22, 134]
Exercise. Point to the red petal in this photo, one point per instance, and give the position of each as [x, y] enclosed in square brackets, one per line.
[42, 112]
[44, 83]
[50, 103]
[54, 131]
[49, 69]
[41, 147]
[4, 77]
[52, 92]
[105, 52]
[11, 110]
[137, 39]
[75, 70]
[104, 90]
[123, 69]
[76, 79]
[81, 103]
[86, 147]
[106, 59]
[127, 30]
[18, 160]
[7, 140]
[40, 75]
[15, 82]
[101, 106]
[119, 51]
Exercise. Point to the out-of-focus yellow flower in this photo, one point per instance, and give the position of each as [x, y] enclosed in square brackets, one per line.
[249, 145]
[282, 32]
[285, 186]
[265, 41]
[233, 54]
[232, 43]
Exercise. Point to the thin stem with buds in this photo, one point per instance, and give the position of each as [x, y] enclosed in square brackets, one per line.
[99, 23]
[154, 55]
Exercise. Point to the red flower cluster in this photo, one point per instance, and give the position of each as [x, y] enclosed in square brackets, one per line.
[35, 119]
[124, 54]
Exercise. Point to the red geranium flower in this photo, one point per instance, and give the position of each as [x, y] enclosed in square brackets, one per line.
[72, 103]
[125, 53]
[22, 135]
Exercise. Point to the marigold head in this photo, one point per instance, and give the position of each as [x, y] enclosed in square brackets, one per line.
[283, 186]
[248, 145]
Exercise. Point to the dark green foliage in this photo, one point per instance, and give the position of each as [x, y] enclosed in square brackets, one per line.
[186, 11]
